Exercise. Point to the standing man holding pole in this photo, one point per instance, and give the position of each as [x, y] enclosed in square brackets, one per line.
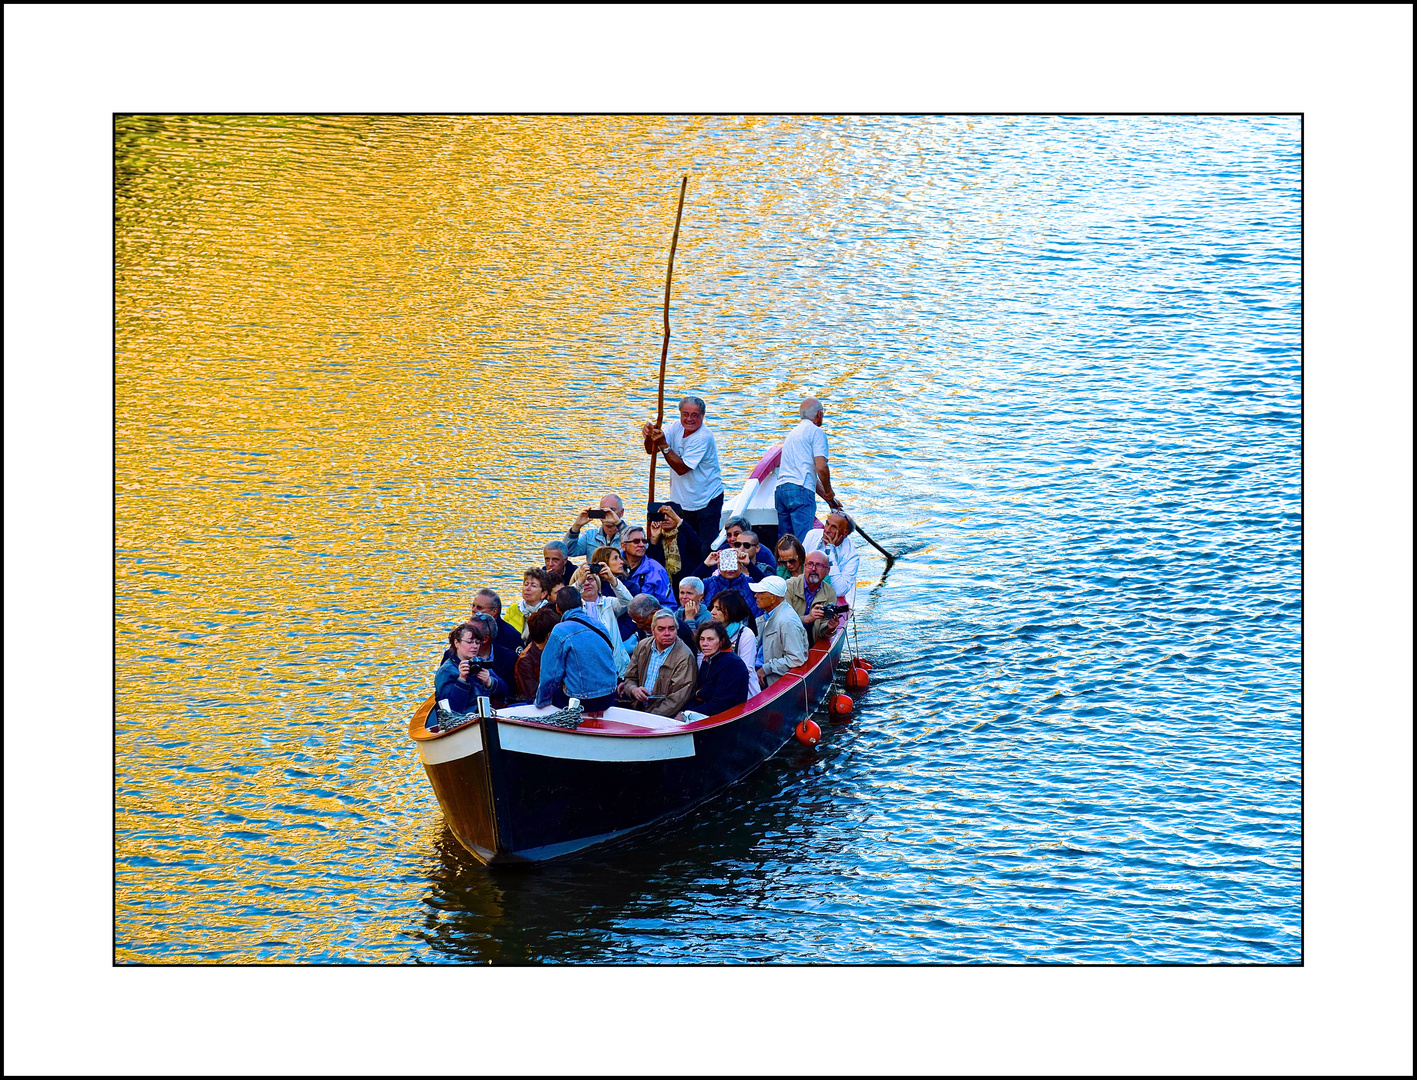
[695, 481]
[803, 473]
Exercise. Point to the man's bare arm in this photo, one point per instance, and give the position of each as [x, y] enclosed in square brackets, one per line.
[824, 483]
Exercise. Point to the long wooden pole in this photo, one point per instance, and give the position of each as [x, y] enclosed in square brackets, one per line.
[664, 350]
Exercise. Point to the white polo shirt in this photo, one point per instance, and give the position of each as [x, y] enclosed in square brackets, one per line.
[803, 445]
[703, 482]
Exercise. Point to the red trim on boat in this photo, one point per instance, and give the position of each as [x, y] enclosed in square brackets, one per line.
[767, 463]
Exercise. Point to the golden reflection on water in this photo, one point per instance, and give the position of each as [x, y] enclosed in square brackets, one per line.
[364, 366]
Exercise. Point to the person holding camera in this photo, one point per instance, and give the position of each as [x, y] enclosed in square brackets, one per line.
[609, 530]
[812, 594]
[695, 481]
[673, 543]
[729, 575]
[593, 581]
[467, 675]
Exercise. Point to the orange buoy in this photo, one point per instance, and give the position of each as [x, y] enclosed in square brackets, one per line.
[856, 677]
[841, 705]
[808, 733]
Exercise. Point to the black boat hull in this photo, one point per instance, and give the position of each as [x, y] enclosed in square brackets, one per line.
[527, 793]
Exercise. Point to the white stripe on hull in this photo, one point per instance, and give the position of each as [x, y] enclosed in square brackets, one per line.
[566, 744]
[460, 744]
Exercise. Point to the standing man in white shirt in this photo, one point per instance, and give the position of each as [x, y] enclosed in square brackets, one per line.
[834, 541]
[695, 482]
[803, 474]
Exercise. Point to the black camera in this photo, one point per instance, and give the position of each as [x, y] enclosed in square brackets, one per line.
[831, 611]
[474, 666]
[596, 568]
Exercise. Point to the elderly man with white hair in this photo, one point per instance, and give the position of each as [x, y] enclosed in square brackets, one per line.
[834, 541]
[609, 533]
[803, 473]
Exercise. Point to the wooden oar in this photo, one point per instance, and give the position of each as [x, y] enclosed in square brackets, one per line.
[664, 351]
[889, 557]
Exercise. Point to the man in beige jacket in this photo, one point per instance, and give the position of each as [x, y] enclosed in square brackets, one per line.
[663, 671]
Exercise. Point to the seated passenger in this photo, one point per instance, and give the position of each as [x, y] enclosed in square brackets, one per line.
[640, 616]
[834, 541]
[577, 661]
[729, 610]
[729, 576]
[693, 612]
[528, 669]
[791, 559]
[663, 671]
[508, 636]
[467, 674]
[558, 567]
[673, 544]
[810, 593]
[536, 594]
[609, 527]
[642, 574]
[602, 609]
[733, 532]
[752, 554]
[723, 678]
[784, 636]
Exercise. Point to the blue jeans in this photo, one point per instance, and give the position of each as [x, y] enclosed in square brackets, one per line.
[796, 510]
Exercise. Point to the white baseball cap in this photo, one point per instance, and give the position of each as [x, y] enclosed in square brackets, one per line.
[771, 584]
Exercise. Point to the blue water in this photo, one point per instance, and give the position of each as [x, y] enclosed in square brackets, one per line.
[1060, 360]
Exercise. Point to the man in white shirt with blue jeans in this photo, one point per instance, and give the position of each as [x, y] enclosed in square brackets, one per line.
[803, 473]
[695, 481]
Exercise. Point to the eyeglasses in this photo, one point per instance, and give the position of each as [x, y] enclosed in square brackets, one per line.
[742, 544]
[637, 540]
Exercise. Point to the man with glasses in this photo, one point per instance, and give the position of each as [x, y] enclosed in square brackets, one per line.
[695, 481]
[741, 539]
[643, 574]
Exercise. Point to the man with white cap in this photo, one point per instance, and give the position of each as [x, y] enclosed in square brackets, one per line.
[784, 638]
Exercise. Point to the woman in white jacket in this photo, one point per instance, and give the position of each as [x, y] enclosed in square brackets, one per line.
[731, 609]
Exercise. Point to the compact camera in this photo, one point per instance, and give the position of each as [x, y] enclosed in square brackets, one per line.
[831, 611]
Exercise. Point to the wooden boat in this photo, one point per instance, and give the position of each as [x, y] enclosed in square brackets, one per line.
[516, 789]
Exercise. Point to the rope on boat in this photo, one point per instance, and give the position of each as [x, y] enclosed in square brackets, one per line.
[569, 717]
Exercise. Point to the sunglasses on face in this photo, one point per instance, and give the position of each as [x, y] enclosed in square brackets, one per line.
[742, 544]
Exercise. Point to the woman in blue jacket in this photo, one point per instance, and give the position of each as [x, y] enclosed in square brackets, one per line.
[723, 678]
[455, 681]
